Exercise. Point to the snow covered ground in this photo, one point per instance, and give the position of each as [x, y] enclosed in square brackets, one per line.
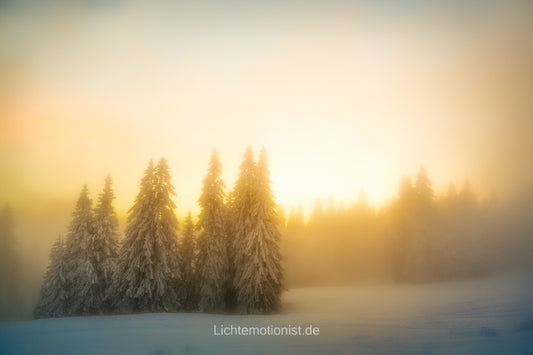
[492, 315]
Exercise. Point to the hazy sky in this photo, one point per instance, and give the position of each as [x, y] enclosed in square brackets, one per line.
[345, 96]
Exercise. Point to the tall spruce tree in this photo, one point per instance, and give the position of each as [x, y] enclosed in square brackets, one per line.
[230, 218]
[423, 191]
[53, 297]
[166, 239]
[82, 280]
[214, 269]
[423, 261]
[258, 268]
[105, 242]
[187, 265]
[239, 204]
[147, 274]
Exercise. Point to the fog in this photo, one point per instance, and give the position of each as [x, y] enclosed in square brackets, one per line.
[420, 236]
[347, 98]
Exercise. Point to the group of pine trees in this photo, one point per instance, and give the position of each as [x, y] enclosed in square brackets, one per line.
[83, 264]
[419, 236]
[228, 261]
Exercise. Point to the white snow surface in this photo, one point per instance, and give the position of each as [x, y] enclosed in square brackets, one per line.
[485, 316]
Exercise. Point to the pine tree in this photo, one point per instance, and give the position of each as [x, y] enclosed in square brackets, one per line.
[258, 263]
[230, 218]
[105, 242]
[166, 249]
[83, 293]
[147, 275]
[54, 293]
[424, 264]
[239, 206]
[423, 191]
[214, 260]
[187, 259]
[129, 290]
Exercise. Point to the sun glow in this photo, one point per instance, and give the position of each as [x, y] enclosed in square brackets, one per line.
[341, 106]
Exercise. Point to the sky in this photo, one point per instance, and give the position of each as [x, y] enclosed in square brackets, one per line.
[345, 96]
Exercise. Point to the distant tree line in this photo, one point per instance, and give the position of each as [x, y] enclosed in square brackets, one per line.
[228, 261]
[419, 236]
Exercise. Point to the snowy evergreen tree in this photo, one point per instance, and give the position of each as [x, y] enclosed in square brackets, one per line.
[83, 292]
[424, 239]
[147, 275]
[187, 260]
[166, 241]
[54, 293]
[214, 268]
[105, 243]
[257, 256]
[423, 191]
[238, 206]
[230, 218]
[9, 267]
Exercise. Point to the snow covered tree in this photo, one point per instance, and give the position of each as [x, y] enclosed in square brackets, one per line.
[105, 243]
[214, 270]
[9, 267]
[423, 260]
[230, 218]
[238, 204]
[166, 241]
[82, 289]
[147, 275]
[54, 291]
[130, 289]
[423, 191]
[258, 271]
[187, 260]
